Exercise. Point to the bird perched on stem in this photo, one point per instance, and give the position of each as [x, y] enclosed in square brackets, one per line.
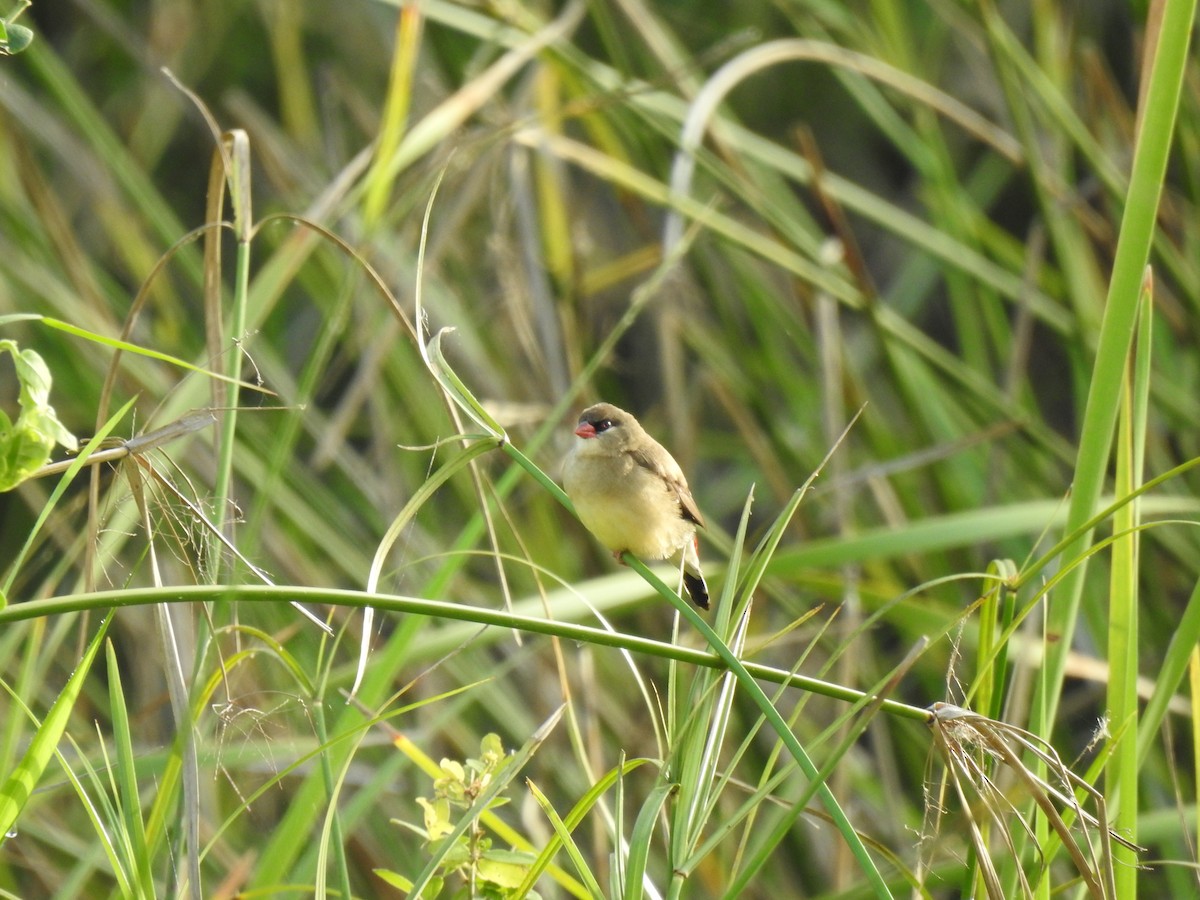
[631, 494]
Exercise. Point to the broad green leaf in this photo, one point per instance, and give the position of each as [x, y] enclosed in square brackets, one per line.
[502, 871]
[25, 446]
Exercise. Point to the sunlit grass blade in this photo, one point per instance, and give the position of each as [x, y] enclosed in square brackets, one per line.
[565, 840]
[1154, 138]
[19, 784]
[1121, 776]
[584, 805]
[128, 796]
[642, 837]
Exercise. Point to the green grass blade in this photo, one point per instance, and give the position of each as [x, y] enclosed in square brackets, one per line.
[563, 834]
[577, 814]
[1116, 332]
[19, 784]
[641, 838]
[129, 800]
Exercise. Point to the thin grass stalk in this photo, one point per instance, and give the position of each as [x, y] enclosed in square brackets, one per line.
[698, 754]
[378, 182]
[332, 839]
[416, 606]
[621, 851]
[641, 838]
[615, 779]
[215, 334]
[177, 642]
[746, 817]
[108, 801]
[988, 692]
[236, 154]
[995, 619]
[98, 808]
[1177, 663]
[567, 842]
[1194, 690]
[174, 650]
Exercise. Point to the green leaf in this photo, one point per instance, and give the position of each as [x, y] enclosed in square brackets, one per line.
[492, 751]
[25, 446]
[437, 817]
[14, 39]
[126, 773]
[640, 840]
[563, 832]
[395, 879]
[20, 783]
[496, 867]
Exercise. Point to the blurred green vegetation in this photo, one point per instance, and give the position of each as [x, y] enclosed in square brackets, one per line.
[746, 223]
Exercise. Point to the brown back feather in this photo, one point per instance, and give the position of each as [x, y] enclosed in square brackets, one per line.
[675, 482]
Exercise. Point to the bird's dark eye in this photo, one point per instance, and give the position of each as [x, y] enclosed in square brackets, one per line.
[603, 425]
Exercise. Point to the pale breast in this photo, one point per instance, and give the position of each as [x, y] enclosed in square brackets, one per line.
[626, 507]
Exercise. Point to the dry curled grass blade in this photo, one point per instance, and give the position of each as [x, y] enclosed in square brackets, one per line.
[973, 747]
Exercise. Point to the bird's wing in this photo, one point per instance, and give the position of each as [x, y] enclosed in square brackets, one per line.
[661, 464]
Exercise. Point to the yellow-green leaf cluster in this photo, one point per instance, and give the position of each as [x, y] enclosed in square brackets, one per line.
[25, 445]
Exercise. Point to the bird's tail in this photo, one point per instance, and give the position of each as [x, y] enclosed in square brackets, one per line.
[696, 586]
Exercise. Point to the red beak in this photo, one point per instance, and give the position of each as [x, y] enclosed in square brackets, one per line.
[586, 430]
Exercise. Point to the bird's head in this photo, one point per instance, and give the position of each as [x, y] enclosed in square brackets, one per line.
[611, 429]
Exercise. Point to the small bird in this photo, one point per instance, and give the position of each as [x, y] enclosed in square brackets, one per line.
[631, 494]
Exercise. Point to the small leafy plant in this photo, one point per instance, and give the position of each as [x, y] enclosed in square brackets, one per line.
[15, 38]
[486, 872]
[25, 444]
